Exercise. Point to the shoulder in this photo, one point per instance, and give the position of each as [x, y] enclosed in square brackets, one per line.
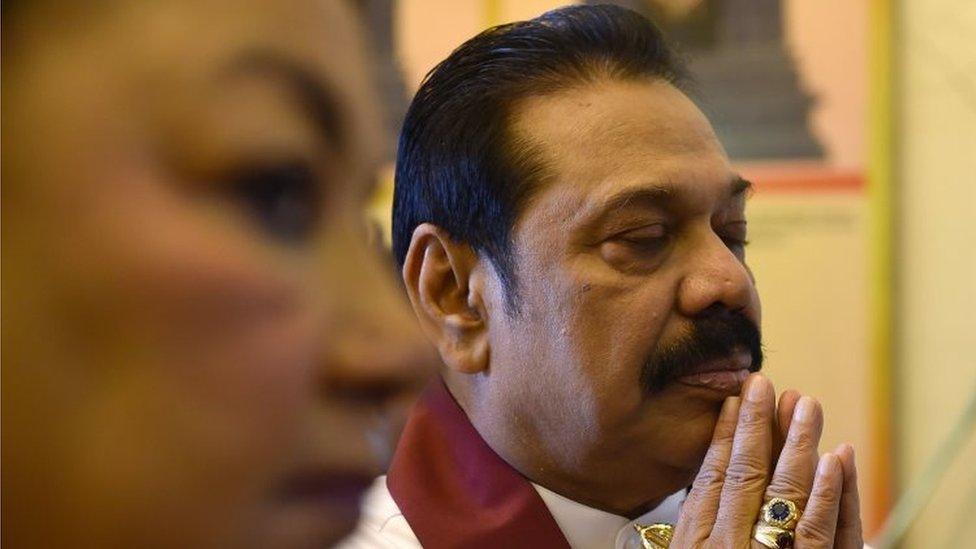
[381, 523]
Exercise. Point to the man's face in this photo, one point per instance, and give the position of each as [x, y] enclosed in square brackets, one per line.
[198, 344]
[631, 281]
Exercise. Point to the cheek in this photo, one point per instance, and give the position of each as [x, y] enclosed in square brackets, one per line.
[240, 338]
[604, 327]
[181, 351]
[621, 326]
[198, 337]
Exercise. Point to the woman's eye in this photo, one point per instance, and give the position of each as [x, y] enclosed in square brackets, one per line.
[283, 199]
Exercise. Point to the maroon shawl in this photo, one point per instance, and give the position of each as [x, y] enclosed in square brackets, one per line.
[455, 491]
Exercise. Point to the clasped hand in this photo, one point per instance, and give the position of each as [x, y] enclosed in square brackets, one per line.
[761, 451]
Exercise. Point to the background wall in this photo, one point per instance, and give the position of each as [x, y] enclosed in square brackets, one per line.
[935, 108]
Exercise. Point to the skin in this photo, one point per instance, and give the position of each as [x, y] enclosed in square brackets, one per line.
[179, 371]
[745, 467]
[602, 293]
[603, 283]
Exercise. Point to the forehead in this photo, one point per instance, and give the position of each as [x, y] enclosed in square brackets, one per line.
[157, 54]
[601, 139]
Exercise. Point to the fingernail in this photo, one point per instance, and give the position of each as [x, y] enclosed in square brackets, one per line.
[804, 409]
[845, 448]
[826, 464]
[757, 389]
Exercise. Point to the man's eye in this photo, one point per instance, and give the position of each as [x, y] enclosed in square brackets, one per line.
[283, 199]
[734, 237]
[646, 239]
[735, 244]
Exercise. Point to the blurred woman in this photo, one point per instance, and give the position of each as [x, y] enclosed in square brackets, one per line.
[199, 347]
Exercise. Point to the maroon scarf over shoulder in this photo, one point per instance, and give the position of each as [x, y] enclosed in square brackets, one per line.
[455, 491]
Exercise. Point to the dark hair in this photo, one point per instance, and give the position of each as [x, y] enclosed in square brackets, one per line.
[459, 167]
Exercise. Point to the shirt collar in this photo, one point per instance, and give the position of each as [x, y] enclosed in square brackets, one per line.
[589, 528]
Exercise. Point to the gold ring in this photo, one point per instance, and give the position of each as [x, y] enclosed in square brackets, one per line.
[779, 512]
[655, 536]
[773, 537]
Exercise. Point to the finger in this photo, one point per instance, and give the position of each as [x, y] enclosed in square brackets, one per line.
[748, 470]
[797, 464]
[818, 523]
[700, 507]
[784, 414]
[849, 531]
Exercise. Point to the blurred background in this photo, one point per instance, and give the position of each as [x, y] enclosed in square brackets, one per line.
[856, 120]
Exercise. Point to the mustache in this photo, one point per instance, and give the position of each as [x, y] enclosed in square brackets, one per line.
[714, 335]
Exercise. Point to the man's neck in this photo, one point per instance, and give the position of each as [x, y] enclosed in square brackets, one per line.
[608, 482]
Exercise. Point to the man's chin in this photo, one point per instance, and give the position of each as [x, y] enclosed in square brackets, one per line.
[681, 418]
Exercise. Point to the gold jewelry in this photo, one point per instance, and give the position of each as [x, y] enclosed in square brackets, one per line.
[779, 512]
[774, 529]
[773, 537]
[655, 536]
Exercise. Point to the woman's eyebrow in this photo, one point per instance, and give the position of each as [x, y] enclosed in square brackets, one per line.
[316, 97]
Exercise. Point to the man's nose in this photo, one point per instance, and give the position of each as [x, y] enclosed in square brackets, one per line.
[716, 276]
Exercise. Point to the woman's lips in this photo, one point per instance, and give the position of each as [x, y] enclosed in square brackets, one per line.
[341, 489]
[316, 508]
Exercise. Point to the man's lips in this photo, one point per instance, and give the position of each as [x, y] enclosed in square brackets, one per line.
[725, 375]
[739, 359]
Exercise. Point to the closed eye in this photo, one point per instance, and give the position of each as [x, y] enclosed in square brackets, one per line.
[734, 236]
[648, 238]
[735, 242]
[647, 232]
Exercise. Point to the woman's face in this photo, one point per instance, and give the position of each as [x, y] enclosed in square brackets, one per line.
[199, 346]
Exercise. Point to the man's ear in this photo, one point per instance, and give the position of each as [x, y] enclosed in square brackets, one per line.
[444, 282]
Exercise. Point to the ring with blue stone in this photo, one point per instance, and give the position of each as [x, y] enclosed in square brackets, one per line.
[773, 537]
[779, 512]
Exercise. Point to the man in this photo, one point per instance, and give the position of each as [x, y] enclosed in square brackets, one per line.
[572, 239]
[199, 347]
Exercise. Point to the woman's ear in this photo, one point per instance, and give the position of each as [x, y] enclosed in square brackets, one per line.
[439, 275]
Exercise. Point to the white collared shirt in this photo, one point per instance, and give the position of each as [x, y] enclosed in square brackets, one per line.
[589, 528]
[383, 525]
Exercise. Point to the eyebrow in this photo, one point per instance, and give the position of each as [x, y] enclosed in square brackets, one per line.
[646, 195]
[658, 194]
[317, 98]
